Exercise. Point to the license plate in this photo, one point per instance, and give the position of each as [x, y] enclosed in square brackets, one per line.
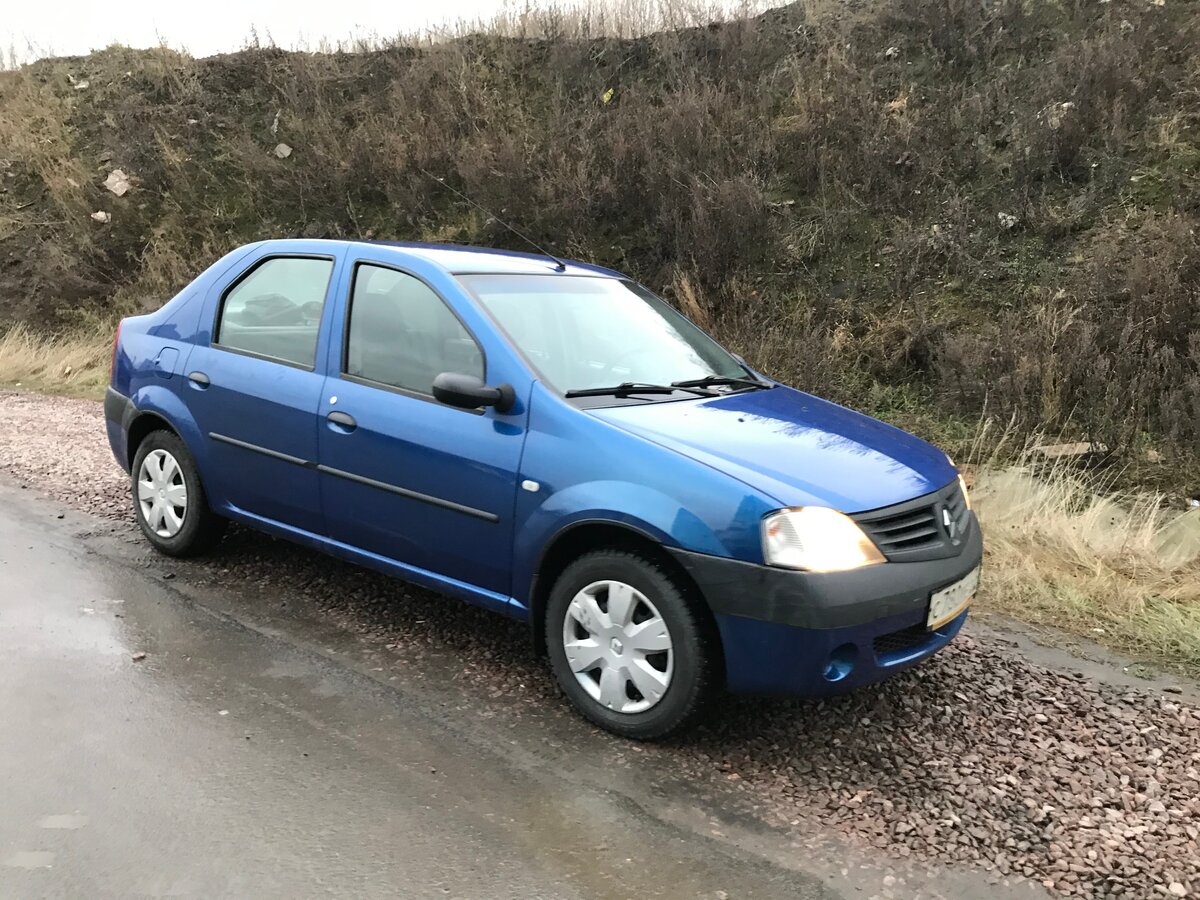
[947, 603]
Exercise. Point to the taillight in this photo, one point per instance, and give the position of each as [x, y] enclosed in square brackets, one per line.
[112, 366]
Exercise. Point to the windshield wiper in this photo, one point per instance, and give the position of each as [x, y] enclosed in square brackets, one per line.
[714, 380]
[626, 388]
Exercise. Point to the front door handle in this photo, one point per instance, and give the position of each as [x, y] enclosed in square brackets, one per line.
[343, 422]
[198, 379]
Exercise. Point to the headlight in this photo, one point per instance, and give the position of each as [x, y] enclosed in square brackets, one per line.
[962, 482]
[817, 539]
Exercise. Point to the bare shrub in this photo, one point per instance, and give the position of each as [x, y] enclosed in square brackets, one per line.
[1116, 357]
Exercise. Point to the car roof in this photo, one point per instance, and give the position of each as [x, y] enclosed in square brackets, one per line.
[459, 259]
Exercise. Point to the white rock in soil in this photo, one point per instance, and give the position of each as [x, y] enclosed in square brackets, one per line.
[118, 182]
[101, 216]
[283, 151]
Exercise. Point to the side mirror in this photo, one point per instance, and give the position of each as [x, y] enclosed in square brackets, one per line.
[468, 392]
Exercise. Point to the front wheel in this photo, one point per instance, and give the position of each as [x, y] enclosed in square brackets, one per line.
[629, 646]
[168, 499]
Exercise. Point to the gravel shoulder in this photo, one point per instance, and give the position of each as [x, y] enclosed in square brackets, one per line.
[985, 758]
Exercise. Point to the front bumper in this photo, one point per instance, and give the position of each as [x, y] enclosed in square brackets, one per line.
[819, 633]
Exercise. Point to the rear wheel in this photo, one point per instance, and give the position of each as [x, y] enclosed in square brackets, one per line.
[628, 645]
[168, 499]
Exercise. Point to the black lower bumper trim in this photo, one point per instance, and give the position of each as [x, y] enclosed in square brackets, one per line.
[117, 407]
[826, 599]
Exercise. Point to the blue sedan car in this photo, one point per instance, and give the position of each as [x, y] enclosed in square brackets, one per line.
[552, 441]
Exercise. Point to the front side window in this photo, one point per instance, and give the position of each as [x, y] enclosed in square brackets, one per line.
[583, 333]
[275, 311]
[402, 334]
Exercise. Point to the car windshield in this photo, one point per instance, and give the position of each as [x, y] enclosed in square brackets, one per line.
[585, 333]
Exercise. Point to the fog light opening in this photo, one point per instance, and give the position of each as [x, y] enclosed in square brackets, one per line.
[841, 662]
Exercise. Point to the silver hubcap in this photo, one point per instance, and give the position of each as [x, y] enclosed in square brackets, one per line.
[618, 646]
[162, 493]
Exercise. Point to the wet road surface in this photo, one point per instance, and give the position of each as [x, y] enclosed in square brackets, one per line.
[229, 762]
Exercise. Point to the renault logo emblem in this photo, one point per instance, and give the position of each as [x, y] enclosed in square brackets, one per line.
[951, 528]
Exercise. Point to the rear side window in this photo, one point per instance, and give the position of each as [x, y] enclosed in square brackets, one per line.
[404, 335]
[275, 311]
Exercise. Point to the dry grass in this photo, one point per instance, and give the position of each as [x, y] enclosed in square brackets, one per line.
[586, 19]
[34, 128]
[1064, 550]
[74, 364]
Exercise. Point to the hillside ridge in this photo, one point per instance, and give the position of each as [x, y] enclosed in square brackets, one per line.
[929, 209]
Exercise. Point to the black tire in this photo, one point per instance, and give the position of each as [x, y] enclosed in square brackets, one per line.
[202, 528]
[693, 637]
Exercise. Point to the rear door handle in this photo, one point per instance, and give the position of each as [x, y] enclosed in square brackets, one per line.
[199, 379]
[343, 422]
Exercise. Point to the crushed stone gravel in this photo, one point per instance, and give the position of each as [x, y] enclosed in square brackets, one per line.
[979, 756]
[58, 445]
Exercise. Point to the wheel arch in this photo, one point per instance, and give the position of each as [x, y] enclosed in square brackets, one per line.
[603, 534]
[140, 427]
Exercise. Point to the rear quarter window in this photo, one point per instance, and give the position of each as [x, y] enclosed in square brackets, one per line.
[275, 311]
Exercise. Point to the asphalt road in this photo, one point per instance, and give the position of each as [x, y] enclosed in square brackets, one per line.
[231, 762]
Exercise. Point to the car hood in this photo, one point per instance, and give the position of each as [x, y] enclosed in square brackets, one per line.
[795, 447]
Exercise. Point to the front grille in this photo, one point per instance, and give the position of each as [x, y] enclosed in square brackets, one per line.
[899, 642]
[916, 529]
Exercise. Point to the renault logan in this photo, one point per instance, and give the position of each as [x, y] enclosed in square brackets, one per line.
[551, 441]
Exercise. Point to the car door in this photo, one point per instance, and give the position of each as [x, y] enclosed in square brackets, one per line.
[254, 391]
[404, 476]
